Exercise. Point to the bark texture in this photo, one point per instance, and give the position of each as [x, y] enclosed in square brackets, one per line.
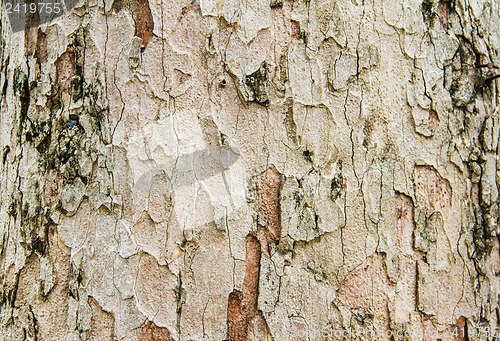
[262, 169]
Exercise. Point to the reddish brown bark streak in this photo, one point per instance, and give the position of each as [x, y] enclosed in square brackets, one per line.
[31, 30]
[461, 329]
[269, 190]
[144, 22]
[242, 306]
[151, 332]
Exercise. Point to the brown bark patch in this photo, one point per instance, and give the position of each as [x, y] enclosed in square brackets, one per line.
[433, 120]
[117, 6]
[65, 67]
[144, 22]
[295, 29]
[236, 329]
[242, 306]
[460, 329]
[151, 332]
[269, 191]
[31, 30]
[41, 46]
[444, 8]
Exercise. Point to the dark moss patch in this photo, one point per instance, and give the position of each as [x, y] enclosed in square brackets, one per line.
[6, 151]
[22, 87]
[307, 155]
[257, 85]
[427, 12]
[336, 186]
[39, 246]
[276, 3]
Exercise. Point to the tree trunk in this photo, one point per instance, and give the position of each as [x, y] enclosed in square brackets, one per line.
[251, 170]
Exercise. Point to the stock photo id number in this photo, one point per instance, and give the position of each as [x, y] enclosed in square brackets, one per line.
[32, 13]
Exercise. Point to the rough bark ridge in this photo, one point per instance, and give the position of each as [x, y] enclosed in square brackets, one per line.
[134, 134]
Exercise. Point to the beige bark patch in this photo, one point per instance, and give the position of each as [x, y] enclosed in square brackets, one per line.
[73, 231]
[495, 254]
[155, 292]
[50, 312]
[151, 237]
[405, 298]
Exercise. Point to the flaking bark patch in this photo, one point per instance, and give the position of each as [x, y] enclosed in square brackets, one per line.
[53, 182]
[461, 329]
[242, 306]
[257, 86]
[144, 22]
[431, 190]
[444, 8]
[151, 332]
[65, 66]
[41, 46]
[269, 191]
[31, 31]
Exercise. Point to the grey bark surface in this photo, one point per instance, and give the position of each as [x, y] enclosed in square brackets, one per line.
[251, 170]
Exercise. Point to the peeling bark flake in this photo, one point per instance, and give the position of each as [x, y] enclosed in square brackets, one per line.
[431, 189]
[41, 46]
[461, 329]
[444, 8]
[31, 31]
[242, 306]
[144, 22]
[269, 191]
[65, 66]
[151, 332]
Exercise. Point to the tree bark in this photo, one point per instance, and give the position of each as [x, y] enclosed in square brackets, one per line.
[251, 170]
